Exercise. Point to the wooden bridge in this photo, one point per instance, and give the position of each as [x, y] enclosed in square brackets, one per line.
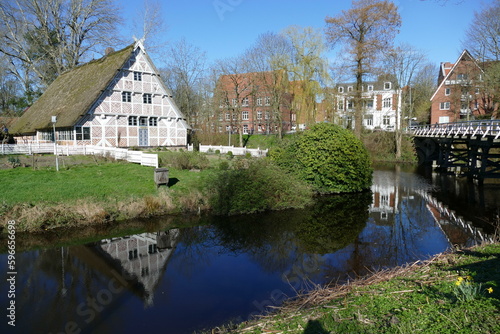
[469, 149]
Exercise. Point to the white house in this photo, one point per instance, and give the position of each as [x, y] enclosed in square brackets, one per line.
[116, 101]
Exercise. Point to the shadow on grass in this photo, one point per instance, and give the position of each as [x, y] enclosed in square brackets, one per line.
[315, 327]
[172, 181]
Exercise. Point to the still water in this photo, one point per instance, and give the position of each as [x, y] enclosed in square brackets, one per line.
[188, 274]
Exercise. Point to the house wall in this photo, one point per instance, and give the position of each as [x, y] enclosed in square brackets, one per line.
[378, 116]
[109, 119]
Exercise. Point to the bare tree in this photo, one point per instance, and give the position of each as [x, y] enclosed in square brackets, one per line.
[422, 87]
[232, 87]
[185, 68]
[46, 38]
[402, 62]
[151, 26]
[366, 30]
[269, 58]
[482, 38]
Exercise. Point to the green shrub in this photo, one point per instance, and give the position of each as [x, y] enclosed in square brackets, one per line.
[262, 186]
[230, 155]
[187, 160]
[327, 156]
[224, 165]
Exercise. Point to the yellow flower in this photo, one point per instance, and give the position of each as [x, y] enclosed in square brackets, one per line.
[469, 278]
[458, 282]
[490, 290]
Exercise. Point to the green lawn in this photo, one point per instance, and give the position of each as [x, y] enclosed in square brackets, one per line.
[111, 181]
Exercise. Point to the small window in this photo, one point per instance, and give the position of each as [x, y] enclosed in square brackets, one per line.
[444, 106]
[369, 120]
[341, 89]
[370, 88]
[132, 120]
[143, 121]
[244, 115]
[349, 89]
[137, 76]
[259, 101]
[126, 97]
[259, 114]
[82, 133]
[234, 102]
[447, 91]
[369, 104]
[387, 102]
[350, 104]
[387, 85]
[245, 129]
[386, 120]
[462, 76]
[146, 98]
[228, 116]
[268, 101]
[153, 121]
[244, 102]
[341, 105]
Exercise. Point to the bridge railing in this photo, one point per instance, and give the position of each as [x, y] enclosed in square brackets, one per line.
[481, 128]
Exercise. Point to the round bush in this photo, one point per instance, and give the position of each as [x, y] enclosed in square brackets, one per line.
[329, 157]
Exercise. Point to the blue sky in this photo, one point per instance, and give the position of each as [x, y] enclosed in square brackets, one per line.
[226, 28]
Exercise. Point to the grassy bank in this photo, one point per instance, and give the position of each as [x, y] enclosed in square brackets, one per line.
[457, 292]
[103, 192]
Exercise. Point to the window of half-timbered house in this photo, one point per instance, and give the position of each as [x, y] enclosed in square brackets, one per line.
[153, 121]
[132, 120]
[82, 133]
[146, 98]
[137, 76]
[126, 97]
[143, 121]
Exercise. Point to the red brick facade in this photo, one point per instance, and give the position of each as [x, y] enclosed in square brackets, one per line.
[460, 95]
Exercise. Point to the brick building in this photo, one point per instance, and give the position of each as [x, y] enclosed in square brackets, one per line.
[256, 102]
[460, 94]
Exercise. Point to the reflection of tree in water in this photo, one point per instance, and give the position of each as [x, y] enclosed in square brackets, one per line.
[279, 240]
[334, 222]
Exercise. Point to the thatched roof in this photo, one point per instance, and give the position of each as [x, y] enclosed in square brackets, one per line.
[71, 95]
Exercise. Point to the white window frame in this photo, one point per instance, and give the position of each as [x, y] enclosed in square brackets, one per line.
[341, 89]
[244, 102]
[387, 102]
[147, 98]
[447, 91]
[126, 96]
[387, 85]
[244, 115]
[137, 76]
[444, 106]
[132, 120]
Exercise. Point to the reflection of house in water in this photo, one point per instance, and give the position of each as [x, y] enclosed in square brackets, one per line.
[385, 200]
[140, 259]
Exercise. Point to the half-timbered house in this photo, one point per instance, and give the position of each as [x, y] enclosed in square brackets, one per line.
[116, 101]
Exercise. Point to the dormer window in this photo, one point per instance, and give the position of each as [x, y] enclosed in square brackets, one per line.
[349, 89]
[370, 88]
[387, 85]
[341, 89]
[137, 76]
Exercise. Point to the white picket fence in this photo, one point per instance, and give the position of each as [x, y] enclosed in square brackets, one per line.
[145, 159]
[255, 152]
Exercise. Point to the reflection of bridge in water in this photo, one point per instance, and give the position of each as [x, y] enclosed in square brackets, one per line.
[447, 218]
[464, 148]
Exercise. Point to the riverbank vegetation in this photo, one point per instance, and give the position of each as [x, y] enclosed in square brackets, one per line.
[330, 160]
[456, 292]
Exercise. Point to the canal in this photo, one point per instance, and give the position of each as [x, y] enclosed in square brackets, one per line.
[182, 275]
